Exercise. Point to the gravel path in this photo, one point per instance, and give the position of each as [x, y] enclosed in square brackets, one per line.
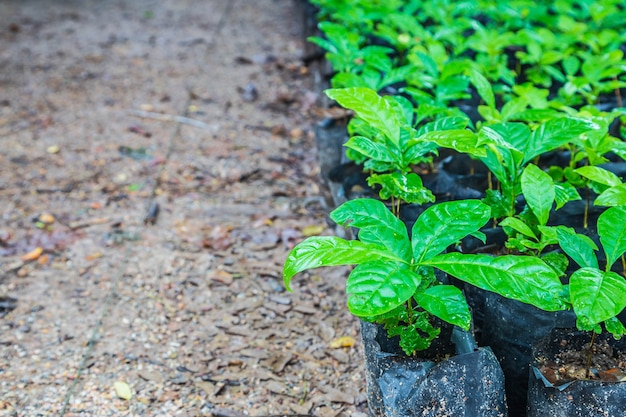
[110, 110]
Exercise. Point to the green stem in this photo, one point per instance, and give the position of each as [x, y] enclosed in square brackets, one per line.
[585, 219]
[593, 340]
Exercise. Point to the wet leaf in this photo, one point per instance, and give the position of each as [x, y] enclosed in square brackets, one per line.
[122, 390]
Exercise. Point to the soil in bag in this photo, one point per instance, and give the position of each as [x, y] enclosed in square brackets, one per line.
[565, 380]
[436, 382]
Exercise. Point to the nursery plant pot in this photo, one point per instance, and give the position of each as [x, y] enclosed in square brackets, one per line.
[510, 329]
[437, 382]
[588, 398]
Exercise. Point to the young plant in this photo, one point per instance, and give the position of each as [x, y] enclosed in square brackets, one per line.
[597, 294]
[394, 281]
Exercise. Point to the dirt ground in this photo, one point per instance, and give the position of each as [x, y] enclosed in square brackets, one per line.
[110, 307]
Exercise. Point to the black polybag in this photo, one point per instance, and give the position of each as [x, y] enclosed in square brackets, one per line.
[511, 328]
[574, 399]
[468, 384]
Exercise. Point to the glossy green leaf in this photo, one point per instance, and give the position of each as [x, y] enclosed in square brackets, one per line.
[519, 226]
[514, 134]
[378, 111]
[370, 149]
[407, 187]
[599, 175]
[483, 87]
[524, 278]
[444, 224]
[614, 196]
[444, 123]
[376, 224]
[612, 231]
[461, 140]
[578, 247]
[538, 189]
[318, 251]
[596, 295]
[554, 134]
[377, 287]
[615, 327]
[564, 193]
[446, 302]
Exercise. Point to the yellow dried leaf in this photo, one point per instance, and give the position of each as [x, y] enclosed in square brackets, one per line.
[46, 218]
[32, 255]
[122, 390]
[312, 230]
[343, 341]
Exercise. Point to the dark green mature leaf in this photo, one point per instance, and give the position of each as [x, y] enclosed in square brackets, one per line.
[538, 189]
[578, 247]
[514, 134]
[380, 112]
[596, 295]
[318, 251]
[612, 231]
[444, 224]
[377, 287]
[370, 149]
[407, 187]
[376, 224]
[446, 302]
[614, 196]
[524, 278]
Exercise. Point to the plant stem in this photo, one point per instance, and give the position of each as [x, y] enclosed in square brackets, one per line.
[623, 265]
[585, 219]
[618, 94]
[593, 340]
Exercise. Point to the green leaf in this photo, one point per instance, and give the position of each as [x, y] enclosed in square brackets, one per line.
[578, 247]
[538, 189]
[599, 175]
[407, 187]
[519, 226]
[554, 134]
[596, 295]
[612, 231]
[446, 302]
[377, 287]
[524, 278]
[318, 251]
[376, 224]
[368, 105]
[615, 327]
[614, 196]
[483, 87]
[444, 224]
[461, 140]
[370, 149]
[564, 193]
[444, 123]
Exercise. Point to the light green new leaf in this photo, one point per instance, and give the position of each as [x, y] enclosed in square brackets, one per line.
[380, 112]
[578, 247]
[446, 302]
[376, 287]
[612, 231]
[483, 87]
[538, 189]
[614, 196]
[554, 134]
[407, 187]
[523, 278]
[599, 175]
[444, 224]
[461, 140]
[370, 149]
[564, 193]
[615, 327]
[376, 224]
[519, 226]
[596, 295]
[318, 251]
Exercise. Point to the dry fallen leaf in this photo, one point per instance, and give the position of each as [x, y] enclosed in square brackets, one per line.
[46, 218]
[313, 230]
[220, 276]
[122, 390]
[32, 255]
[343, 341]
